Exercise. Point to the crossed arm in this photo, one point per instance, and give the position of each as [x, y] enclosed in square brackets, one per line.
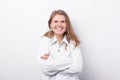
[63, 65]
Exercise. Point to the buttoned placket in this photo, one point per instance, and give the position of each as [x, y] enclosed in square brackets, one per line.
[59, 46]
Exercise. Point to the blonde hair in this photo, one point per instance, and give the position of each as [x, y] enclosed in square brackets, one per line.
[69, 30]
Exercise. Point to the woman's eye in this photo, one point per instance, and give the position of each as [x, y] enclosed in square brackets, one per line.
[55, 21]
[62, 21]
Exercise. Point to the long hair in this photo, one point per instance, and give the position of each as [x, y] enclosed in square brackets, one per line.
[69, 30]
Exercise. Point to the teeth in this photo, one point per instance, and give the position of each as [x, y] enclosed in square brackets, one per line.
[59, 28]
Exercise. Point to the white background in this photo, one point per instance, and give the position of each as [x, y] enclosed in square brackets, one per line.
[96, 22]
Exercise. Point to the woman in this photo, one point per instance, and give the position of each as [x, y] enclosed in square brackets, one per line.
[60, 54]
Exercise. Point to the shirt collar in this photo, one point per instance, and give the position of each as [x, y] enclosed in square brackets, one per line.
[64, 40]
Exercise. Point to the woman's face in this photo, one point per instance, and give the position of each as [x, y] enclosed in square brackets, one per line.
[58, 25]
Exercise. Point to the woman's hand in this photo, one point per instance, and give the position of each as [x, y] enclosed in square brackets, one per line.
[45, 56]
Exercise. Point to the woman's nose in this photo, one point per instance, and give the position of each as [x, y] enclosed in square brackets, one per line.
[59, 23]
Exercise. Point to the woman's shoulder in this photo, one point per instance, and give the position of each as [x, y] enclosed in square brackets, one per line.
[44, 41]
[73, 44]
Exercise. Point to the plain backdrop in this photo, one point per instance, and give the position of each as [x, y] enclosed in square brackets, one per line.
[96, 22]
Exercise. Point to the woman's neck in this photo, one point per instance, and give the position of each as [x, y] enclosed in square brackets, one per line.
[59, 38]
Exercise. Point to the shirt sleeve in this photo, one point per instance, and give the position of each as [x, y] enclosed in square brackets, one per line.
[43, 48]
[77, 62]
[52, 67]
[65, 65]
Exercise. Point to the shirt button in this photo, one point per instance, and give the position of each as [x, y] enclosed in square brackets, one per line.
[58, 50]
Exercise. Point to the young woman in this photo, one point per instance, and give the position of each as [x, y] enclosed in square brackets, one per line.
[59, 50]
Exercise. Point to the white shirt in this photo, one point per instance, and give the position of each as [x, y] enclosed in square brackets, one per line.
[62, 64]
